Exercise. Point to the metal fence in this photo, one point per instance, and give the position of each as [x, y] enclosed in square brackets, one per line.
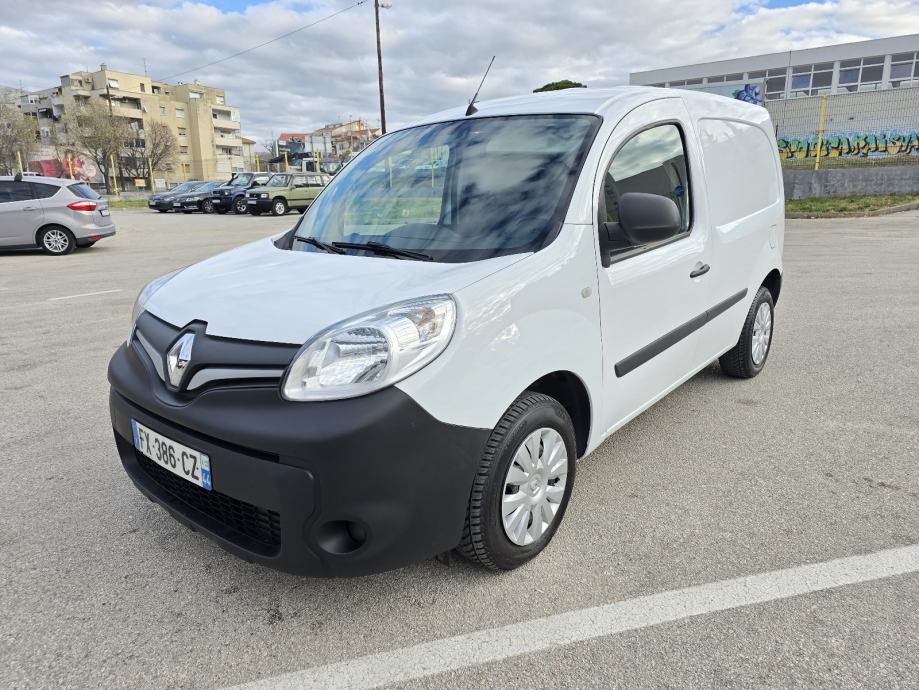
[870, 128]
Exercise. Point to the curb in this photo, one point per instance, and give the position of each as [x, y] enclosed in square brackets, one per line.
[887, 210]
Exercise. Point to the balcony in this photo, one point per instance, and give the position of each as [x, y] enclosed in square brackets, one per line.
[228, 140]
[226, 124]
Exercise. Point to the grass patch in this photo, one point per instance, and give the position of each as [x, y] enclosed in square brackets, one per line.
[848, 204]
[127, 203]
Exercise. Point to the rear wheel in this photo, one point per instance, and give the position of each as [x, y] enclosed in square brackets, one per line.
[207, 206]
[56, 240]
[239, 205]
[522, 486]
[278, 207]
[748, 357]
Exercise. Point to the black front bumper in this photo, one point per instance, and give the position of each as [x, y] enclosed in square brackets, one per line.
[338, 488]
[259, 204]
[160, 205]
[223, 202]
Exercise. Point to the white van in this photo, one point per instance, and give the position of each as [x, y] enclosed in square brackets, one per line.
[418, 364]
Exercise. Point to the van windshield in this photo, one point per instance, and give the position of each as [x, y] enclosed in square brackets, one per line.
[456, 191]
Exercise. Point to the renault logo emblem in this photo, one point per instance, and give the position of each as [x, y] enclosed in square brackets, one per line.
[178, 357]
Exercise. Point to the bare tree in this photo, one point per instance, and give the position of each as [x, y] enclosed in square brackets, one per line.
[100, 135]
[156, 148]
[17, 134]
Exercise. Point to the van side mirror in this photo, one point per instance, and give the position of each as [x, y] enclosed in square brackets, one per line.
[643, 219]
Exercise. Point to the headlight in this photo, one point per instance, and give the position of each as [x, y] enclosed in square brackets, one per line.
[370, 352]
[141, 302]
[263, 195]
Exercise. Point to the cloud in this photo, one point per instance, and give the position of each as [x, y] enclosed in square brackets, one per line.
[434, 52]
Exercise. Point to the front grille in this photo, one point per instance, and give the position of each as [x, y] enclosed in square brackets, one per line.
[259, 524]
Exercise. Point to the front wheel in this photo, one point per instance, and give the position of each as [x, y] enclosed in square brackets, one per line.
[207, 206]
[278, 207]
[522, 486]
[748, 357]
[240, 206]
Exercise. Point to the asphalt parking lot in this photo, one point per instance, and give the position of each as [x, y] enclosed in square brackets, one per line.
[813, 461]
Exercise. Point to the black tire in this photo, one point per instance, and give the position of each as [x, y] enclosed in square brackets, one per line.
[279, 207]
[207, 206]
[56, 240]
[240, 206]
[255, 212]
[738, 361]
[484, 540]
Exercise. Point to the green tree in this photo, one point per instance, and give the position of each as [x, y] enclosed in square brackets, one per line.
[559, 85]
[17, 134]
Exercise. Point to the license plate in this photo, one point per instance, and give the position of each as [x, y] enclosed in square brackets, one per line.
[176, 204]
[250, 201]
[183, 461]
[104, 212]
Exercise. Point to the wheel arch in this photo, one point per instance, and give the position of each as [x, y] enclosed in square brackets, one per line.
[46, 226]
[570, 391]
[773, 283]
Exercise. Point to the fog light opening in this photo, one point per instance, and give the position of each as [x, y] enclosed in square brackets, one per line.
[341, 537]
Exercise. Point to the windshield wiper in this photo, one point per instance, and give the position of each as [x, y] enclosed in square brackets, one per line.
[381, 248]
[319, 244]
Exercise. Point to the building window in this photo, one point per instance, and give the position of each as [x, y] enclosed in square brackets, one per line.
[904, 70]
[143, 88]
[180, 112]
[182, 131]
[162, 110]
[863, 74]
[113, 83]
[157, 90]
[183, 149]
[220, 100]
[194, 94]
[811, 80]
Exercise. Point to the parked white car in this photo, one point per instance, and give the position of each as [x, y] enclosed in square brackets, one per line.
[418, 364]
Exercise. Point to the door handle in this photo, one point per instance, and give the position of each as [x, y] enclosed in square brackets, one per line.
[699, 270]
[29, 208]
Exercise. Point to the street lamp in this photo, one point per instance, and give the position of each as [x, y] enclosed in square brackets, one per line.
[376, 13]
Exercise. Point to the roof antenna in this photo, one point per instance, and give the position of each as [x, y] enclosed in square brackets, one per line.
[472, 110]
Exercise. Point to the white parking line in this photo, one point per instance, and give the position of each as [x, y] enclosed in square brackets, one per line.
[84, 294]
[484, 646]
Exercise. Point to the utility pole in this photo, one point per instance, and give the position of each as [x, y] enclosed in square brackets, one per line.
[376, 14]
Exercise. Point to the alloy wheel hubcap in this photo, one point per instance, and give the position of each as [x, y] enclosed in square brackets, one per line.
[279, 208]
[762, 333]
[56, 241]
[534, 486]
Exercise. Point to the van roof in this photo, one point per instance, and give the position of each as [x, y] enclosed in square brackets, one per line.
[606, 102]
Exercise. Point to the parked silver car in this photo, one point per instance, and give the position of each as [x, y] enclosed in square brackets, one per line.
[55, 214]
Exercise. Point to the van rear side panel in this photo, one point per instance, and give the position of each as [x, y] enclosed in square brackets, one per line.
[746, 206]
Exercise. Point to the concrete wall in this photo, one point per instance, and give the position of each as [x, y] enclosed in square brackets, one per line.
[894, 179]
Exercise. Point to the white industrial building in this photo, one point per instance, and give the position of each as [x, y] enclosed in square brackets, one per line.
[883, 63]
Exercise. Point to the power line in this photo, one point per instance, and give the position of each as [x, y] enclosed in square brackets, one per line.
[262, 45]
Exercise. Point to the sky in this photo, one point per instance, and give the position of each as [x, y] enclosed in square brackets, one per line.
[434, 52]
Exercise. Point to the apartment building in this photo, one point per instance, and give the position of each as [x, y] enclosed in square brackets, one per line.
[335, 140]
[207, 130]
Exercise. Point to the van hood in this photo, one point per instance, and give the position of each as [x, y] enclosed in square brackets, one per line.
[260, 292]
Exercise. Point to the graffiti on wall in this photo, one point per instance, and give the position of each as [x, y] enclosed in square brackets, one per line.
[851, 145]
[45, 161]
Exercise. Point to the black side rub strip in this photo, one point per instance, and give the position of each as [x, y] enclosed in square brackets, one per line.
[651, 350]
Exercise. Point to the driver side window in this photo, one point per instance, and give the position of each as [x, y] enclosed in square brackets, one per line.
[654, 162]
